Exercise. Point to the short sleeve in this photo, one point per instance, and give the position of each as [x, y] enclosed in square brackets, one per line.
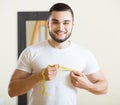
[91, 64]
[24, 61]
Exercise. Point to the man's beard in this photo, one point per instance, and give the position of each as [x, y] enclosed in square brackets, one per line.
[59, 40]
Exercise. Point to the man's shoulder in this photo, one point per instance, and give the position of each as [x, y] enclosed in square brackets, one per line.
[38, 45]
[78, 47]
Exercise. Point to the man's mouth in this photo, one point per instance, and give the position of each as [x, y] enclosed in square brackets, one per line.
[60, 32]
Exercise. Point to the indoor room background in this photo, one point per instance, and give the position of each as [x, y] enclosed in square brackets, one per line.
[97, 27]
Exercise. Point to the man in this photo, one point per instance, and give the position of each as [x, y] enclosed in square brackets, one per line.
[53, 70]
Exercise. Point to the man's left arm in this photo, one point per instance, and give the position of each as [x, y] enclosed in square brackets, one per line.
[95, 83]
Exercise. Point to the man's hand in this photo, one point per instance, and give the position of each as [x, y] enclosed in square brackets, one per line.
[80, 80]
[51, 72]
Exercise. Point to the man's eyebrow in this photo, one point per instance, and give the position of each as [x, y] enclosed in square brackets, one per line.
[54, 20]
[64, 20]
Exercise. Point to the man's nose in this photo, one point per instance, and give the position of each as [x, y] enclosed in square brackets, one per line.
[61, 26]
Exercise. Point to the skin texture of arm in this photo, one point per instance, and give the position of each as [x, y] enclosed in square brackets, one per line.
[94, 83]
[22, 81]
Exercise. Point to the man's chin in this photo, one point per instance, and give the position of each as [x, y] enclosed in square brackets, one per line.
[59, 40]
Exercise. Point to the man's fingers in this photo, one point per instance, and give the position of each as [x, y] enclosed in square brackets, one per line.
[51, 71]
[53, 67]
[77, 73]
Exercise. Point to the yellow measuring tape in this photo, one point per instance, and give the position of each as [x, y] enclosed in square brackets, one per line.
[43, 82]
[43, 77]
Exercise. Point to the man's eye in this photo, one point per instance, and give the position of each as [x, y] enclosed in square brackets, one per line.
[66, 23]
[55, 22]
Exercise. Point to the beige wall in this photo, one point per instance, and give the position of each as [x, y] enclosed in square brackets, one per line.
[97, 27]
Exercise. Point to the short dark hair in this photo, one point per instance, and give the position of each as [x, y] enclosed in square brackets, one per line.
[61, 7]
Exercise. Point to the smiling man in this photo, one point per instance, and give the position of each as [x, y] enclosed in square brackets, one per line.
[54, 69]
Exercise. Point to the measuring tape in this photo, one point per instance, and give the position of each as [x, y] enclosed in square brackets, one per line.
[61, 68]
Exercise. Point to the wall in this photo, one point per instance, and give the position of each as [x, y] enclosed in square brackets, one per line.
[97, 28]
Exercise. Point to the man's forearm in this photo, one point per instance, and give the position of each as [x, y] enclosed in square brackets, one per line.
[21, 86]
[100, 87]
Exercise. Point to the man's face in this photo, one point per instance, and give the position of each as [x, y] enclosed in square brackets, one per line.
[60, 25]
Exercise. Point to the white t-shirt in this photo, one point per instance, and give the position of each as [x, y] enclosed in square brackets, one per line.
[60, 90]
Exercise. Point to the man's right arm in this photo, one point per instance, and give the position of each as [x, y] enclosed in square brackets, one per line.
[22, 81]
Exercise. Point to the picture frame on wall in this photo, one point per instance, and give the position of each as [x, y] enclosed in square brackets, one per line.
[32, 28]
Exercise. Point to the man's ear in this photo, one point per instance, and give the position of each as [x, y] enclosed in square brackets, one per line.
[48, 24]
[73, 24]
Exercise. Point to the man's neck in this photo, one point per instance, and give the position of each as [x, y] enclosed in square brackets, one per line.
[59, 45]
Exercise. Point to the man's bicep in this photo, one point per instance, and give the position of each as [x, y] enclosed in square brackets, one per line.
[95, 77]
[19, 74]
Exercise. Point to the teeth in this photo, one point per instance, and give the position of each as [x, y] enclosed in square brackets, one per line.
[60, 32]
